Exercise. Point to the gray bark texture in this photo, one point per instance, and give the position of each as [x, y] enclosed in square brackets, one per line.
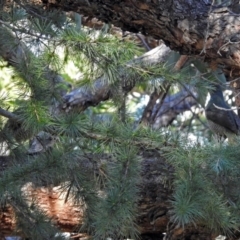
[190, 27]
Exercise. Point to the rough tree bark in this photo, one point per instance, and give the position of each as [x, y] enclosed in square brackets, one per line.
[155, 191]
[190, 27]
[156, 179]
[156, 172]
[197, 28]
[82, 98]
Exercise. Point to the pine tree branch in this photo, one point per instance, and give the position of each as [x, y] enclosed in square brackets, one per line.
[156, 177]
[9, 115]
[82, 98]
[18, 55]
[138, 142]
[172, 106]
[23, 30]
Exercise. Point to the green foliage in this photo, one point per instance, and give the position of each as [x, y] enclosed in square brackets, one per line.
[116, 211]
[96, 53]
[199, 169]
[95, 156]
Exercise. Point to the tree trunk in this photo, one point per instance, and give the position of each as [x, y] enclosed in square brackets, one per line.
[154, 215]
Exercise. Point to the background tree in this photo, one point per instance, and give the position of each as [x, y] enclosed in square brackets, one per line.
[128, 145]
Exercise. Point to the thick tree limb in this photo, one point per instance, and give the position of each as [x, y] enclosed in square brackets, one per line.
[190, 27]
[100, 91]
[82, 98]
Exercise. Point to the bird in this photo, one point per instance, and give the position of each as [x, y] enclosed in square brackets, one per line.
[222, 120]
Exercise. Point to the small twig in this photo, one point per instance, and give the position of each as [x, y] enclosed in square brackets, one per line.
[225, 44]
[161, 97]
[207, 31]
[237, 95]
[197, 117]
[88, 3]
[122, 108]
[180, 63]
[231, 81]
[191, 94]
[143, 42]
[22, 30]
